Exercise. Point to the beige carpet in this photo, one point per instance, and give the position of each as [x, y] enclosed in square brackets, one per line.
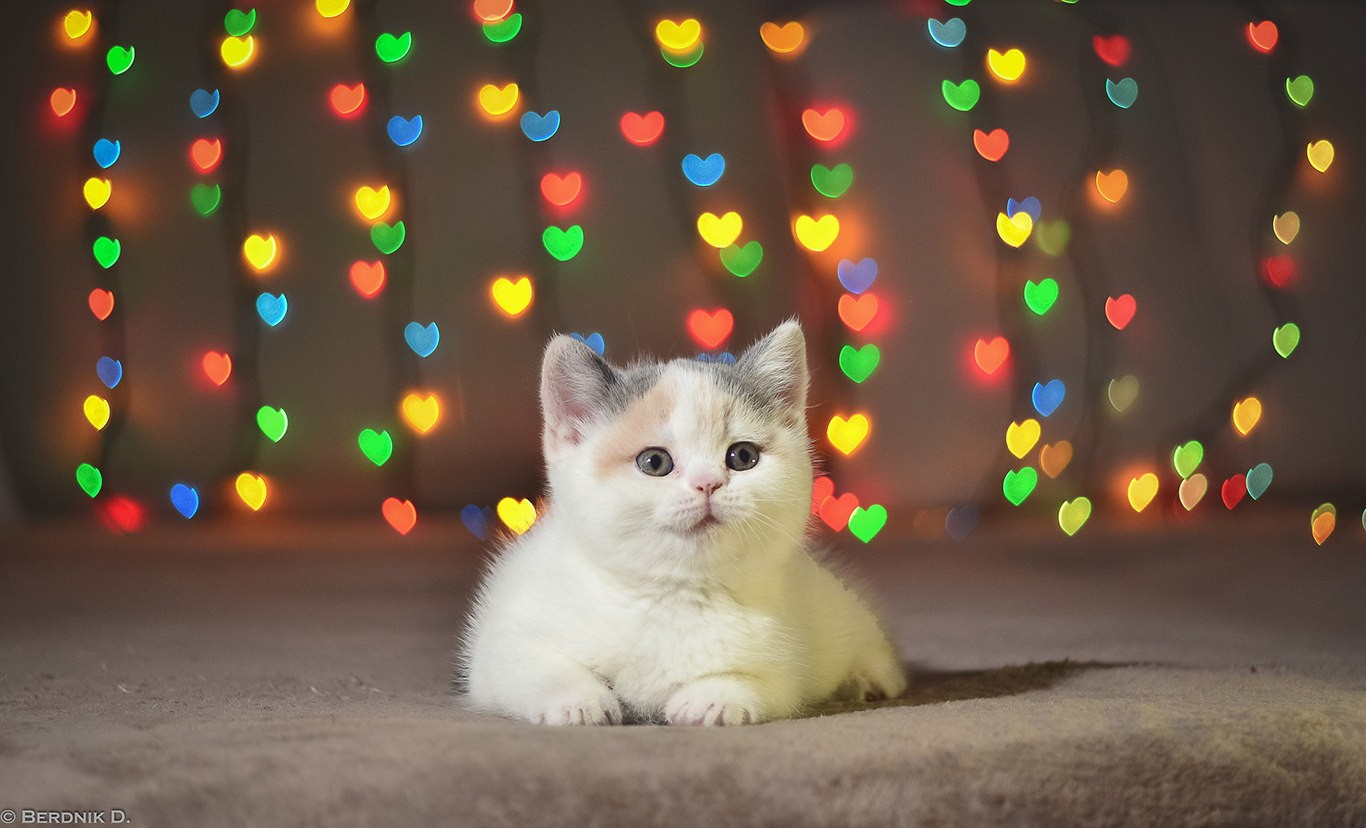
[297, 676]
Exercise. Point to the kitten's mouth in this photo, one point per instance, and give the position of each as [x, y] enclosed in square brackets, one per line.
[704, 524]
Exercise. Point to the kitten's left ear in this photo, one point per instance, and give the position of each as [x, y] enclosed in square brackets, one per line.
[777, 365]
[575, 383]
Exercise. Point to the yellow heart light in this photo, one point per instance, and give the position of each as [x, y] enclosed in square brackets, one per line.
[1008, 65]
[678, 36]
[1021, 437]
[1142, 490]
[237, 51]
[1073, 514]
[517, 515]
[1320, 155]
[97, 411]
[720, 231]
[512, 298]
[421, 411]
[252, 489]
[816, 234]
[97, 192]
[848, 435]
[1013, 230]
[498, 101]
[332, 8]
[1286, 226]
[1112, 185]
[77, 23]
[261, 251]
[1192, 490]
[1055, 457]
[1246, 415]
[372, 203]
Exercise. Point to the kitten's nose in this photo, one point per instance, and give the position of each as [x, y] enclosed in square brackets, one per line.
[706, 482]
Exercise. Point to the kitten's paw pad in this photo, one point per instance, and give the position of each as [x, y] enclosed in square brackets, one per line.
[713, 702]
[602, 710]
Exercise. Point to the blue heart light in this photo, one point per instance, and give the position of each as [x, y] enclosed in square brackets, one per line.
[405, 131]
[704, 172]
[857, 278]
[185, 500]
[948, 33]
[1122, 94]
[1031, 207]
[476, 520]
[1048, 396]
[422, 339]
[725, 357]
[107, 152]
[110, 371]
[540, 127]
[272, 308]
[1258, 480]
[960, 521]
[204, 103]
[593, 340]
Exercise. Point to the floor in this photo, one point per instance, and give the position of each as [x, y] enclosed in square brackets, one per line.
[297, 675]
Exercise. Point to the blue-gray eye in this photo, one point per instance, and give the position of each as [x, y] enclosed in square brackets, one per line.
[655, 462]
[742, 456]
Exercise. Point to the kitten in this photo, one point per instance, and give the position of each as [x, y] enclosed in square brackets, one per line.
[669, 577]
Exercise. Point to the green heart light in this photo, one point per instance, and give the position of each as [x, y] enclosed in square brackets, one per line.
[832, 182]
[858, 364]
[107, 251]
[1186, 459]
[1018, 485]
[392, 49]
[239, 23]
[1040, 296]
[864, 524]
[684, 60]
[505, 29]
[742, 261]
[1300, 90]
[961, 96]
[563, 244]
[1286, 339]
[89, 479]
[273, 422]
[377, 447]
[205, 198]
[388, 237]
[119, 58]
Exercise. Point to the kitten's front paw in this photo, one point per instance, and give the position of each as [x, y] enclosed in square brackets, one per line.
[602, 709]
[714, 701]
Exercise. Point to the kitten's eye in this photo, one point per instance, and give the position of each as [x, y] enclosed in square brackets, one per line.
[742, 456]
[655, 462]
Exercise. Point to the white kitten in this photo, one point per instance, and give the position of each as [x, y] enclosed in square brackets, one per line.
[669, 575]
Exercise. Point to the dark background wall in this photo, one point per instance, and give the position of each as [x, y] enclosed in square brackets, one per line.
[1212, 147]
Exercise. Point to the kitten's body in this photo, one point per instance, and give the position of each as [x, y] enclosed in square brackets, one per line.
[689, 597]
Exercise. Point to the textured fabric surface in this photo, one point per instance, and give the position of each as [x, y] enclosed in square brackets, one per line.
[297, 676]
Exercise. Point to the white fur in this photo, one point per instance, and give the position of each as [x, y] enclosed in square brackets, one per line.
[610, 604]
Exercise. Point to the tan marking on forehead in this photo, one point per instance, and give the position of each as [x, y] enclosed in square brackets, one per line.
[626, 435]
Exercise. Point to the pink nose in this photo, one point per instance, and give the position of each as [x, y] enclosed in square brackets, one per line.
[706, 483]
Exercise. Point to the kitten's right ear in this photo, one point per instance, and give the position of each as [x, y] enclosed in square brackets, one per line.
[575, 382]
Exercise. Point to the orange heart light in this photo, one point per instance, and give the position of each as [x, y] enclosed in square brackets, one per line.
[421, 411]
[786, 39]
[1246, 414]
[816, 234]
[512, 297]
[101, 303]
[1263, 35]
[347, 100]
[824, 126]
[496, 101]
[491, 11]
[720, 231]
[1055, 457]
[367, 278]
[858, 311]
[991, 145]
[251, 488]
[62, 101]
[373, 203]
[991, 354]
[1112, 185]
[562, 190]
[848, 435]
[710, 329]
[400, 514]
[517, 515]
[1120, 310]
[205, 154]
[217, 367]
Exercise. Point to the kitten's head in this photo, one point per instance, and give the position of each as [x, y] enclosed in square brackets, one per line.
[677, 467]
